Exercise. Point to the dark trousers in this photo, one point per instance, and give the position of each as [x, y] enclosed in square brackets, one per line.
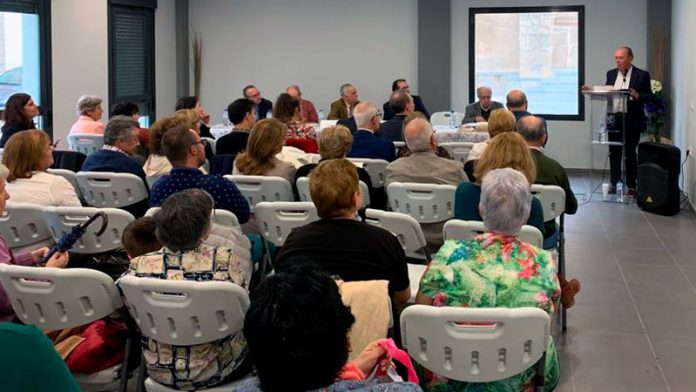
[633, 132]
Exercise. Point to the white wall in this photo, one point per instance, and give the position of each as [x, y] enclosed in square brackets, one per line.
[608, 25]
[79, 32]
[684, 87]
[317, 44]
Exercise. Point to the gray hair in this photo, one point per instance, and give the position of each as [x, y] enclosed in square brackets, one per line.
[481, 88]
[505, 201]
[532, 128]
[184, 219]
[418, 139]
[87, 103]
[119, 128]
[4, 172]
[363, 114]
[344, 87]
[398, 100]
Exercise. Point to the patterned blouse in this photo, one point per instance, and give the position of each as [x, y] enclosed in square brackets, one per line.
[203, 365]
[493, 270]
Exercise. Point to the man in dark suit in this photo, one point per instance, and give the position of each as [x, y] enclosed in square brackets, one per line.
[402, 85]
[263, 108]
[401, 104]
[481, 109]
[637, 81]
[365, 143]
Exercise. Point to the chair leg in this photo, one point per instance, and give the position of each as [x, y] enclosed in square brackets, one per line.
[123, 384]
[562, 271]
[540, 377]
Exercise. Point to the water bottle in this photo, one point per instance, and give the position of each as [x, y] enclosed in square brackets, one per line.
[452, 119]
[619, 192]
[321, 114]
[225, 118]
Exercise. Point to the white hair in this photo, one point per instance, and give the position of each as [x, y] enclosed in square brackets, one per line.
[4, 172]
[505, 201]
[87, 103]
[420, 139]
[344, 88]
[363, 114]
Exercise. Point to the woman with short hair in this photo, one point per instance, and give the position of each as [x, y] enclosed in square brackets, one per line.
[500, 121]
[18, 116]
[265, 141]
[90, 111]
[299, 134]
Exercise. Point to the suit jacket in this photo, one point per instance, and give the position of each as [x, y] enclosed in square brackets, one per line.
[640, 81]
[309, 112]
[417, 102]
[474, 110]
[339, 111]
[367, 145]
[264, 109]
[391, 130]
[349, 123]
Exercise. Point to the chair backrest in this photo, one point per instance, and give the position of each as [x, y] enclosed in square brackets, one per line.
[475, 345]
[219, 216]
[70, 176]
[427, 203]
[54, 298]
[87, 143]
[22, 224]
[463, 230]
[302, 185]
[211, 142]
[261, 188]
[277, 219]
[117, 190]
[403, 226]
[443, 118]
[184, 313]
[61, 220]
[552, 198]
[376, 168]
[459, 151]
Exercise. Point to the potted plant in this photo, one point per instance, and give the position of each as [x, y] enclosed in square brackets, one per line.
[655, 112]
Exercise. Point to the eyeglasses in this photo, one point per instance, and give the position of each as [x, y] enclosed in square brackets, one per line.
[204, 142]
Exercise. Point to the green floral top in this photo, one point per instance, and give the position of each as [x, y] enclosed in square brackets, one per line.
[492, 270]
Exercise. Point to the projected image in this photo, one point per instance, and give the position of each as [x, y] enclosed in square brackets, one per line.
[537, 52]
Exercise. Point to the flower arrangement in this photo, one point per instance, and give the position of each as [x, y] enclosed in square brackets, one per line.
[655, 111]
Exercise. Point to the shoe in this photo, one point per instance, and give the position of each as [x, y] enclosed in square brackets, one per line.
[568, 291]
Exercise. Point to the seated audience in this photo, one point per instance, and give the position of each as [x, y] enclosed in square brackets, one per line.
[365, 143]
[181, 225]
[297, 331]
[58, 260]
[548, 171]
[344, 246]
[90, 111]
[495, 269]
[343, 107]
[299, 134]
[183, 148]
[28, 154]
[263, 108]
[402, 85]
[17, 116]
[401, 104]
[192, 119]
[424, 166]
[241, 114]
[139, 237]
[193, 103]
[500, 121]
[404, 151]
[307, 110]
[265, 141]
[131, 109]
[517, 104]
[481, 110]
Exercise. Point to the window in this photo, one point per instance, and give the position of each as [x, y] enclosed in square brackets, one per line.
[25, 54]
[539, 50]
[132, 55]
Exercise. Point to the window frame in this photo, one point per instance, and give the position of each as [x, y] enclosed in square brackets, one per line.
[580, 9]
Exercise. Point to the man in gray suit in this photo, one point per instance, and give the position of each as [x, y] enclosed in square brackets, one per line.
[481, 109]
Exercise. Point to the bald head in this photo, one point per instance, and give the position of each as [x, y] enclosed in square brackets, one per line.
[418, 136]
[532, 129]
[516, 101]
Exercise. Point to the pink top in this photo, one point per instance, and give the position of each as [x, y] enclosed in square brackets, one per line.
[6, 257]
[85, 124]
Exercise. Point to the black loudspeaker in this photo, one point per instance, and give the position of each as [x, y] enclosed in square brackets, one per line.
[658, 178]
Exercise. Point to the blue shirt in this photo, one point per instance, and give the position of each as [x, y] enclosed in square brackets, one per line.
[225, 193]
[112, 161]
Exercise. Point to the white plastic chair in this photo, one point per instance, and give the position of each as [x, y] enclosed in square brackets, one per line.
[70, 176]
[476, 345]
[302, 184]
[456, 229]
[48, 298]
[23, 227]
[443, 118]
[404, 227]
[185, 313]
[398, 145]
[427, 203]
[376, 168]
[277, 219]
[117, 190]
[219, 216]
[61, 220]
[86, 143]
[211, 142]
[261, 188]
[459, 151]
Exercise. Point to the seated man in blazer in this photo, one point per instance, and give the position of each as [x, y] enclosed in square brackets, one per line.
[481, 109]
[401, 104]
[343, 107]
[263, 108]
[402, 85]
[365, 143]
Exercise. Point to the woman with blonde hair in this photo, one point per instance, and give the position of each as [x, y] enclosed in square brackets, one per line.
[265, 141]
[500, 121]
[27, 155]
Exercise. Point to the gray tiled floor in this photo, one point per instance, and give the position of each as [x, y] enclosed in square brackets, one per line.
[633, 327]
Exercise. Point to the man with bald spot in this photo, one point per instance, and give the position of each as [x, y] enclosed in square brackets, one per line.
[517, 104]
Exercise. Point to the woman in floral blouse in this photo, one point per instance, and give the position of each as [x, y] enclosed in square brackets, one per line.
[495, 269]
[299, 134]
